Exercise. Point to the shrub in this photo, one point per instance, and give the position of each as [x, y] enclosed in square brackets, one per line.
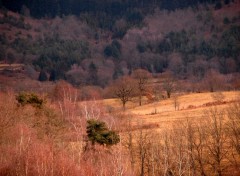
[98, 132]
[29, 98]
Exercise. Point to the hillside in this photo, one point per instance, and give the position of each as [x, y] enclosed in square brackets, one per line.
[193, 106]
[189, 42]
[190, 106]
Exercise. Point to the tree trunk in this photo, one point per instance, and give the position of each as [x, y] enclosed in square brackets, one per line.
[124, 106]
[140, 100]
[168, 94]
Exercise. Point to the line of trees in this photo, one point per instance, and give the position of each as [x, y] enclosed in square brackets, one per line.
[137, 85]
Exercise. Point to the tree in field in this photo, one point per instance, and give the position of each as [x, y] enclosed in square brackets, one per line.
[233, 114]
[213, 80]
[123, 89]
[141, 76]
[169, 86]
[218, 140]
[98, 132]
[176, 102]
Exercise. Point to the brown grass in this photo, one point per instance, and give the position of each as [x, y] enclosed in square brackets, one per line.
[160, 114]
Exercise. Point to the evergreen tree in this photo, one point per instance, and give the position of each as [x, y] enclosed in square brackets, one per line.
[42, 76]
[98, 132]
[31, 99]
[92, 74]
[52, 76]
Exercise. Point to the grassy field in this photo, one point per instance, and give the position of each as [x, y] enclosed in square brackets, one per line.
[159, 114]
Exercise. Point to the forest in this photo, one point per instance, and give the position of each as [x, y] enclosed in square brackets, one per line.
[65, 45]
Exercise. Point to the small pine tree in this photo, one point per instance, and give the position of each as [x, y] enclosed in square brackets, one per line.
[98, 132]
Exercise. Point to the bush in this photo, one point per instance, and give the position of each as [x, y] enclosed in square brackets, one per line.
[29, 98]
[98, 132]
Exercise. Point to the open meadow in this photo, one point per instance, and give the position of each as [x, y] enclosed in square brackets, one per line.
[162, 112]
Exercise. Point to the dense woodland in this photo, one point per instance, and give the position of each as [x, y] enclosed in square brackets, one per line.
[116, 8]
[76, 40]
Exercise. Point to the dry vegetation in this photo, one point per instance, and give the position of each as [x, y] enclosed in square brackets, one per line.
[199, 138]
[190, 106]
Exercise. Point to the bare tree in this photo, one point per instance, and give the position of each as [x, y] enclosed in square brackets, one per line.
[123, 89]
[176, 102]
[213, 80]
[169, 86]
[196, 142]
[233, 112]
[142, 151]
[129, 142]
[141, 77]
[217, 140]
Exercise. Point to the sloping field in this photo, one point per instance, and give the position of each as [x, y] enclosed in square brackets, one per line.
[161, 113]
[190, 101]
